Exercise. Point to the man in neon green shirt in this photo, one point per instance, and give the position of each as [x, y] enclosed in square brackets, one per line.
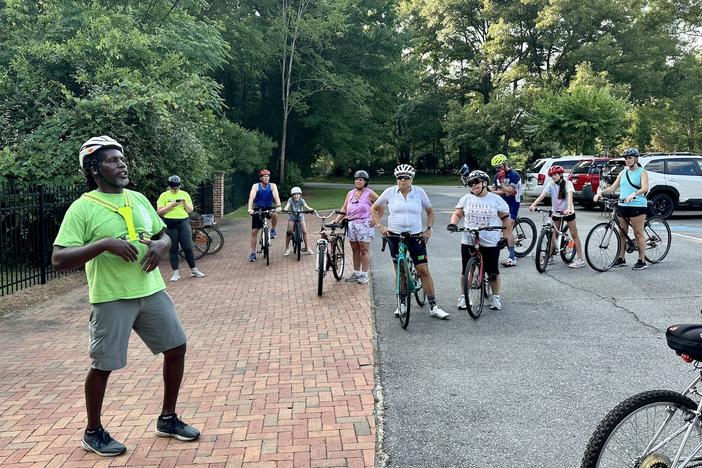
[175, 206]
[120, 239]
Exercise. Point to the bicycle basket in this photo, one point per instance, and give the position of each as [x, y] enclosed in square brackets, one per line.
[208, 219]
[196, 220]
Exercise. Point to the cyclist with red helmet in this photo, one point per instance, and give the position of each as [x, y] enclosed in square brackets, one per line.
[561, 192]
[262, 196]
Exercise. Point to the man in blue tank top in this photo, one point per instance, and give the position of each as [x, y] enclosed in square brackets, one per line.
[632, 206]
[262, 196]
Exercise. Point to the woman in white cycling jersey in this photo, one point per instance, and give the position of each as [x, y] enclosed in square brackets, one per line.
[405, 204]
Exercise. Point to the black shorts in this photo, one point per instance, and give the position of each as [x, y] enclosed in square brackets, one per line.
[631, 211]
[567, 219]
[257, 219]
[491, 258]
[417, 249]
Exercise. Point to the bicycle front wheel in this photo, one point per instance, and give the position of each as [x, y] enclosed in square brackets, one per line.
[297, 241]
[339, 259]
[265, 245]
[216, 239]
[543, 250]
[524, 232]
[602, 246]
[474, 287]
[626, 437]
[658, 238]
[567, 247]
[321, 267]
[404, 296]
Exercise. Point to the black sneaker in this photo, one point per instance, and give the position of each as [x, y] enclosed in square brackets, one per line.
[100, 442]
[620, 262]
[171, 426]
[640, 265]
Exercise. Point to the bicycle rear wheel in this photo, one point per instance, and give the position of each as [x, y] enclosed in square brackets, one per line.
[404, 296]
[524, 232]
[338, 258]
[567, 247]
[474, 287]
[543, 250]
[602, 246]
[420, 295]
[297, 241]
[624, 435]
[321, 267]
[216, 238]
[658, 238]
[201, 243]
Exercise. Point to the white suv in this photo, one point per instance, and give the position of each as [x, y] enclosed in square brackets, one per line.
[673, 180]
[536, 175]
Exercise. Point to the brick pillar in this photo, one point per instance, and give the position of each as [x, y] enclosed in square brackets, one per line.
[218, 195]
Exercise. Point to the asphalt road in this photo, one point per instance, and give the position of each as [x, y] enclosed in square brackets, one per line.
[526, 386]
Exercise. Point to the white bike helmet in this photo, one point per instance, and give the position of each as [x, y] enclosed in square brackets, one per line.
[94, 144]
[295, 190]
[405, 169]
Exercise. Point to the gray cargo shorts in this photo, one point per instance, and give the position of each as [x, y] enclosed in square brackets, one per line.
[153, 317]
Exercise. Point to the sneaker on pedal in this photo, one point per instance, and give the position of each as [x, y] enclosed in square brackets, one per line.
[551, 260]
[397, 311]
[273, 234]
[252, 257]
[578, 263]
[620, 262]
[286, 253]
[509, 262]
[100, 442]
[438, 313]
[462, 303]
[640, 265]
[495, 304]
[175, 276]
[171, 426]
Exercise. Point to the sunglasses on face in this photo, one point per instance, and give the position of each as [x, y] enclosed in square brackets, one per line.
[403, 177]
[473, 183]
[629, 157]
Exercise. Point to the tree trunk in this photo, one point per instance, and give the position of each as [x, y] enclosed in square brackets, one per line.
[283, 142]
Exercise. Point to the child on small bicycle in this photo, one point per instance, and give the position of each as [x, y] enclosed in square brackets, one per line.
[482, 208]
[561, 192]
[296, 203]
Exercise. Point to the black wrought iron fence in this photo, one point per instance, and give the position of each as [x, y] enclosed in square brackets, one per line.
[29, 222]
[236, 189]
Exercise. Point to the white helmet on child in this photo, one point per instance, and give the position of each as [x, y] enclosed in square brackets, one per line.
[295, 190]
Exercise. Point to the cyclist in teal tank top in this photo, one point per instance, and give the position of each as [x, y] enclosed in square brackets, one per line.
[632, 206]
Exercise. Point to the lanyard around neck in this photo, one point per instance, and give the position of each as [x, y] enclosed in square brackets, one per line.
[125, 212]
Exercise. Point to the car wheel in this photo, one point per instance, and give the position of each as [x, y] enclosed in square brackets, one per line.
[662, 205]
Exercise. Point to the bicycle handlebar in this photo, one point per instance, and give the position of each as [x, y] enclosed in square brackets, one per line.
[472, 229]
[550, 212]
[260, 211]
[297, 212]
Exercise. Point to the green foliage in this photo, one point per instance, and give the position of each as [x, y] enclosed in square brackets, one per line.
[582, 117]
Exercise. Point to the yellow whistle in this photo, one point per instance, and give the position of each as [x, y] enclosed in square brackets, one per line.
[126, 213]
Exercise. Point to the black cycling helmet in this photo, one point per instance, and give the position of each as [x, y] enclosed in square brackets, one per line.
[174, 181]
[631, 152]
[478, 175]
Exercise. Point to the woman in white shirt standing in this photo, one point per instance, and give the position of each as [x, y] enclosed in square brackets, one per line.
[561, 192]
[405, 204]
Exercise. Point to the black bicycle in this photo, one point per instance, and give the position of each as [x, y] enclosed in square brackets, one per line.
[264, 236]
[524, 232]
[330, 250]
[296, 233]
[545, 249]
[476, 287]
[604, 240]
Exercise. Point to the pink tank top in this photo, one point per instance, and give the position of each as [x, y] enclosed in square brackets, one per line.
[358, 209]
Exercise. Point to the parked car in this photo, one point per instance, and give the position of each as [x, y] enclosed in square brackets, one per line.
[674, 180]
[535, 176]
[586, 176]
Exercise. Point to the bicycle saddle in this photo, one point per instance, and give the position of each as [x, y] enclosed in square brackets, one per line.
[685, 339]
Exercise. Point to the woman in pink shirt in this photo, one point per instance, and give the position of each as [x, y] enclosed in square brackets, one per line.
[360, 230]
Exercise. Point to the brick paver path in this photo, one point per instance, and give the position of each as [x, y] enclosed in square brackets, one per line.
[275, 375]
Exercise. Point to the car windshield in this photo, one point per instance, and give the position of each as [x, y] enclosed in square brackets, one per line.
[583, 167]
[567, 165]
[536, 165]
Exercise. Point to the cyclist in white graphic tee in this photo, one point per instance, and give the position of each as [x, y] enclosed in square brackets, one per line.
[481, 208]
